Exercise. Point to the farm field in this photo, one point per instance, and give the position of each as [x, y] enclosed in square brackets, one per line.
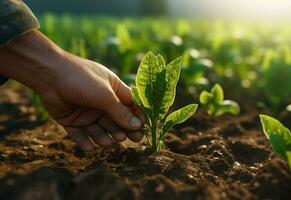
[206, 157]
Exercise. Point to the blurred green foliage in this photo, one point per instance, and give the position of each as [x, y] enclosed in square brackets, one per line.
[250, 61]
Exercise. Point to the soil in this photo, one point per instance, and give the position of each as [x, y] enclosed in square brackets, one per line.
[225, 158]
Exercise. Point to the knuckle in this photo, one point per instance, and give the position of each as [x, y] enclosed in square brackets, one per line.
[76, 136]
[123, 113]
[95, 130]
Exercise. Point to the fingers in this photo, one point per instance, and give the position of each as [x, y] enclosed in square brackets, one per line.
[139, 113]
[117, 106]
[81, 139]
[95, 132]
[134, 136]
[80, 118]
[123, 93]
[122, 116]
[99, 135]
[118, 134]
[113, 129]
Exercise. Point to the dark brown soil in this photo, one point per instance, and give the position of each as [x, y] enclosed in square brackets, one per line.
[228, 158]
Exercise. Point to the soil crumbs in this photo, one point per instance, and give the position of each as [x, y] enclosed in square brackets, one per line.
[228, 158]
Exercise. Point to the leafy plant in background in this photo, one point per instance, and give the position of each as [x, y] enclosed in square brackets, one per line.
[277, 81]
[194, 68]
[239, 51]
[155, 92]
[215, 104]
[279, 137]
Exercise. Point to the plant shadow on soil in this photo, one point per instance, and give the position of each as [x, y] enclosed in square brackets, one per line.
[226, 158]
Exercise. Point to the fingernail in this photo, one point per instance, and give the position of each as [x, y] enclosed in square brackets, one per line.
[86, 146]
[135, 122]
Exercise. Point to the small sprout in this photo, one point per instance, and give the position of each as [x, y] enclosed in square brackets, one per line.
[279, 137]
[215, 104]
[155, 92]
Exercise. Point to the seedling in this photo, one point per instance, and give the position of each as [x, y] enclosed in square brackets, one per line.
[279, 137]
[215, 104]
[276, 73]
[155, 92]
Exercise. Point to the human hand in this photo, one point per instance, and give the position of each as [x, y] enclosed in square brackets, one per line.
[86, 98]
[90, 101]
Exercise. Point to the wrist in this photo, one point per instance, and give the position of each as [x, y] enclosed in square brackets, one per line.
[33, 60]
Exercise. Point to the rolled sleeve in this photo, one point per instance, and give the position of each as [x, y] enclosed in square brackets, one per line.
[15, 19]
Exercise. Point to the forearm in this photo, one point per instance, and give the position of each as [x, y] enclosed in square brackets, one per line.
[31, 59]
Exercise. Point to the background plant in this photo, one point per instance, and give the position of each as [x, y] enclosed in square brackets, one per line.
[155, 92]
[214, 102]
[236, 55]
[277, 82]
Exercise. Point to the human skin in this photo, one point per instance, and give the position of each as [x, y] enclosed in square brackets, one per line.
[87, 99]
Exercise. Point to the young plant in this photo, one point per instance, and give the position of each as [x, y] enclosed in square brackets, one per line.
[155, 92]
[276, 73]
[279, 137]
[215, 104]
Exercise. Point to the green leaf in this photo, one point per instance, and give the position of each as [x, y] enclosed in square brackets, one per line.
[166, 86]
[178, 117]
[278, 134]
[138, 102]
[145, 78]
[217, 93]
[277, 143]
[156, 83]
[161, 61]
[205, 97]
[155, 92]
[135, 97]
[161, 145]
[215, 104]
[124, 38]
[228, 106]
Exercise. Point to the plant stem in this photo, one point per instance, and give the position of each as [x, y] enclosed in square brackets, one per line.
[154, 136]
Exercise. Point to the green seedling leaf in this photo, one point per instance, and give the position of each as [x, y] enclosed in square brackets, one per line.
[145, 79]
[229, 106]
[179, 116]
[161, 61]
[161, 145]
[135, 97]
[205, 97]
[215, 104]
[166, 95]
[217, 94]
[137, 101]
[272, 126]
[156, 83]
[155, 92]
[278, 135]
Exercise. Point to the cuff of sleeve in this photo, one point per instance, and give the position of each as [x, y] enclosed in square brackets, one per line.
[15, 19]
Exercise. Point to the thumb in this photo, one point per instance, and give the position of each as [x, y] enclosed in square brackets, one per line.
[122, 115]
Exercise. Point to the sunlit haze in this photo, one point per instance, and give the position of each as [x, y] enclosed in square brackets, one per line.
[261, 10]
